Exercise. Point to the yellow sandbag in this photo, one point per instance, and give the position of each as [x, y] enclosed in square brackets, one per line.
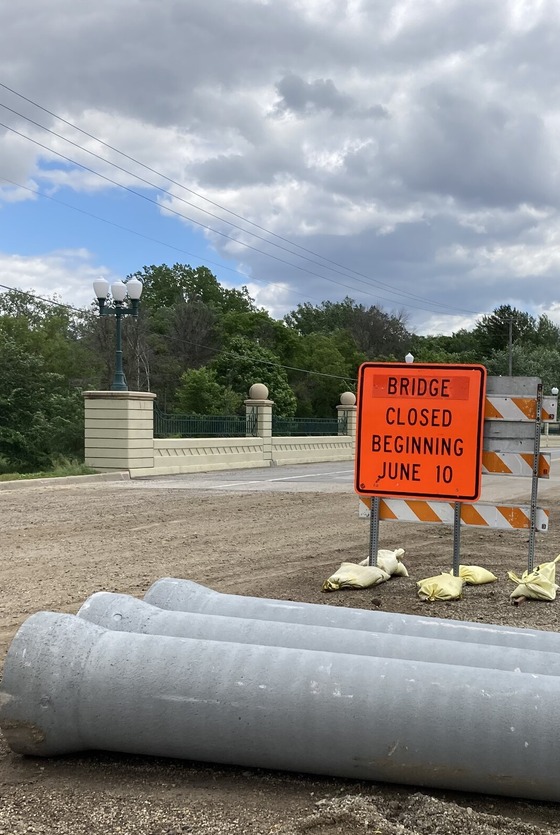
[441, 587]
[352, 576]
[474, 575]
[390, 561]
[539, 584]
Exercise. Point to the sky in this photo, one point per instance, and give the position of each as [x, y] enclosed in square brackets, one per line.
[404, 153]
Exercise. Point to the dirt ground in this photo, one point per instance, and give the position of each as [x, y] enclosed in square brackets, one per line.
[59, 544]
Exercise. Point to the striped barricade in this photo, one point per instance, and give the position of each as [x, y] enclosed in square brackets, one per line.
[514, 463]
[514, 409]
[500, 407]
[501, 517]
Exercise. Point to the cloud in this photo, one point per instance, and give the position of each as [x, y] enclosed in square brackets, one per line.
[300, 96]
[66, 275]
[277, 298]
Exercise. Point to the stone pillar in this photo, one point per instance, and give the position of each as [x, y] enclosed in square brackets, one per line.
[258, 402]
[119, 430]
[347, 409]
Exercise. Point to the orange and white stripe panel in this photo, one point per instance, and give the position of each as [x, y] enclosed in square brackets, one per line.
[515, 463]
[501, 517]
[519, 408]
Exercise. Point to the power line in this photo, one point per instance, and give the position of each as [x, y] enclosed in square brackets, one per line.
[185, 217]
[369, 282]
[202, 225]
[198, 223]
[160, 174]
[202, 197]
[192, 220]
[154, 171]
[149, 238]
[42, 298]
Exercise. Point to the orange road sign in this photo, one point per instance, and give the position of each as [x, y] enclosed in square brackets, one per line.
[420, 430]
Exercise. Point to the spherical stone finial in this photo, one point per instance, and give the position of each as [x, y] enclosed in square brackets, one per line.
[348, 398]
[258, 391]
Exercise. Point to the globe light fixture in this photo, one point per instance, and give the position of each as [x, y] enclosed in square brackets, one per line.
[120, 291]
[409, 358]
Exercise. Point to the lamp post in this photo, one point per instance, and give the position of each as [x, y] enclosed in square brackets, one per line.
[119, 292]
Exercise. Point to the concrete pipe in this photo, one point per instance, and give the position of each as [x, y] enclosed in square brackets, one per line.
[187, 596]
[123, 613]
[70, 686]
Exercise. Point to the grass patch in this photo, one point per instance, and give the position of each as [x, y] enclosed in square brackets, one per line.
[61, 469]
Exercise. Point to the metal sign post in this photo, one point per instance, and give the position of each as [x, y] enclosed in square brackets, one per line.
[535, 479]
[456, 538]
[373, 531]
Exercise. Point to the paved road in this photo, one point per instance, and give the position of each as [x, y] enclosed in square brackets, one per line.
[331, 477]
[328, 477]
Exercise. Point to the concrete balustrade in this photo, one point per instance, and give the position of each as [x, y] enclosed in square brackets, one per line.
[119, 436]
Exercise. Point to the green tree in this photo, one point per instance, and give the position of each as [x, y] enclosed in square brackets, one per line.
[49, 330]
[547, 333]
[182, 337]
[458, 347]
[492, 332]
[180, 325]
[261, 328]
[335, 361]
[200, 393]
[528, 362]
[376, 333]
[323, 318]
[243, 363]
[40, 417]
[166, 286]
[380, 335]
[45, 360]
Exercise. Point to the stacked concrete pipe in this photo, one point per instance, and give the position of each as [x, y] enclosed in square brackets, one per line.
[187, 596]
[274, 693]
[123, 613]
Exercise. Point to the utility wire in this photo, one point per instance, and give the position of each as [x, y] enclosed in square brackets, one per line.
[42, 299]
[209, 228]
[149, 238]
[202, 197]
[166, 177]
[185, 217]
[369, 282]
